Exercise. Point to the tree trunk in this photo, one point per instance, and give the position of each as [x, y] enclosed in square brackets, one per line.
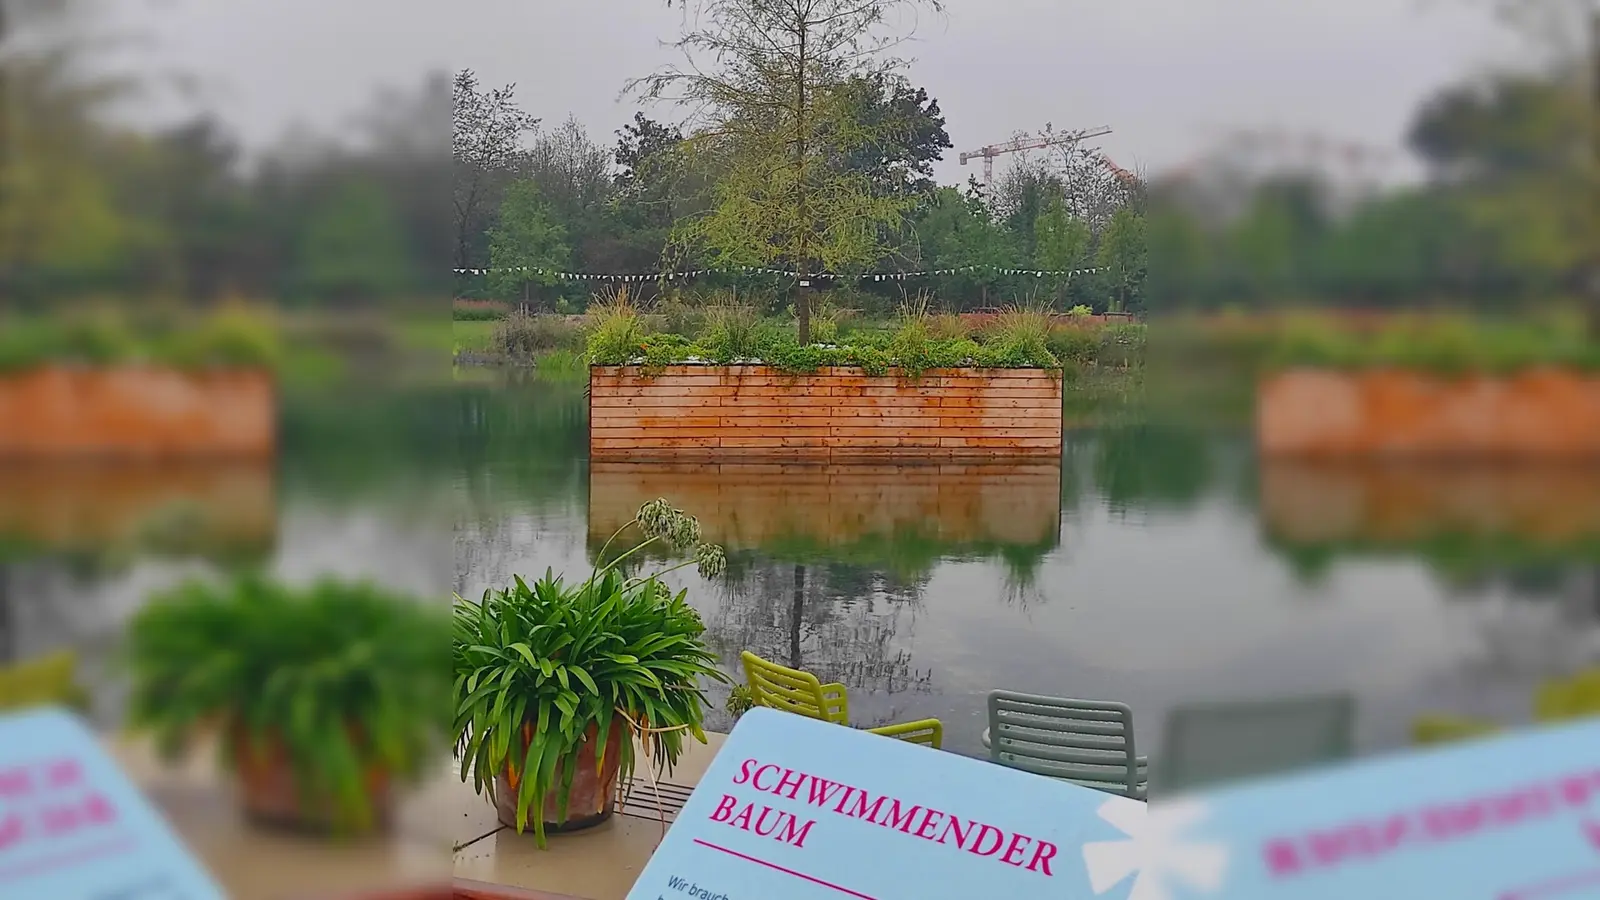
[802, 297]
[796, 615]
[802, 305]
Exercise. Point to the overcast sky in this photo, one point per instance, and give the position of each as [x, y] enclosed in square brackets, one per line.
[1168, 75]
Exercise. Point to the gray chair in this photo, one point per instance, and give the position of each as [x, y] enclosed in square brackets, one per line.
[1217, 743]
[1086, 742]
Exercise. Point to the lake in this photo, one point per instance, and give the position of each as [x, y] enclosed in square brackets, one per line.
[1159, 564]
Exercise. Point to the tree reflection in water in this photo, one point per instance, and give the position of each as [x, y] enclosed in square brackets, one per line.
[838, 622]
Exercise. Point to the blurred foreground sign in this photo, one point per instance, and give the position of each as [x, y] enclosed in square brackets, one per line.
[802, 810]
[1513, 818]
[798, 809]
[73, 828]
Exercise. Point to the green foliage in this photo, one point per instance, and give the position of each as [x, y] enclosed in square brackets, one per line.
[536, 667]
[740, 701]
[354, 247]
[910, 348]
[1074, 345]
[1447, 345]
[526, 243]
[348, 677]
[616, 332]
[732, 333]
[523, 336]
[226, 338]
[1122, 344]
[1061, 241]
[1124, 253]
[781, 120]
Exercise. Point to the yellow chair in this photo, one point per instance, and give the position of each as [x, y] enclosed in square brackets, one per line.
[46, 681]
[802, 693]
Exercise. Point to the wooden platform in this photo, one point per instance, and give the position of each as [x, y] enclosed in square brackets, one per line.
[832, 415]
[1540, 415]
[137, 412]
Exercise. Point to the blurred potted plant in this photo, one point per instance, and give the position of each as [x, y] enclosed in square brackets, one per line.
[553, 681]
[321, 699]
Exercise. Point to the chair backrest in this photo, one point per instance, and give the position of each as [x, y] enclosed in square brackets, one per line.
[46, 681]
[1087, 742]
[792, 690]
[1217, 743]
[927, 732]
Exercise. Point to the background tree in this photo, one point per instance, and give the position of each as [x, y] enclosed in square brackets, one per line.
[957, 230]
[527, 244]
[353, 250]
[486, 145]
[1061, 243]
[574, 176]
[908, 129]
[651, 168]
[769, 77]
[1125, 257]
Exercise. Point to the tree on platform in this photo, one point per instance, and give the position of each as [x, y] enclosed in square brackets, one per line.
[770, 84]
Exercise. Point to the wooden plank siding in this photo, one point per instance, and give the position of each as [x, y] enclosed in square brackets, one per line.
[832, 415]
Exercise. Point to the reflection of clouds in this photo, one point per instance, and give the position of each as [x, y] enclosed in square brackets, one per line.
[410, 553]
[1180, 599]
[488, 554]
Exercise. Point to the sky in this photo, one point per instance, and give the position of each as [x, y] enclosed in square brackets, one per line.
[1171, 77]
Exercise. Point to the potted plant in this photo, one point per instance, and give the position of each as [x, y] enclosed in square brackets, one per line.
[320, 699]
[554, 681]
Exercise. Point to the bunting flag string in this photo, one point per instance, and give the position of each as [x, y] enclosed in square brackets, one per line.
[757, 270]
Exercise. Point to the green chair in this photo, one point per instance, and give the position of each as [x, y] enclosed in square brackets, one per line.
[1086, 742]
[1216, 743]
[46, 681]
[802, 693]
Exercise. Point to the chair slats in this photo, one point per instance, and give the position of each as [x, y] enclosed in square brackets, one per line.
[928, 732]
[1087, 742]
[792, 690]
[1100, 731]
[47, 680]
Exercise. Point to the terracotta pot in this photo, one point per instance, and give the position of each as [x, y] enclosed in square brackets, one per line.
[594, 790]
[270, 792]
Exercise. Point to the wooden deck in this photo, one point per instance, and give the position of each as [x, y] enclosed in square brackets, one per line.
[832, 415]
[447, 843]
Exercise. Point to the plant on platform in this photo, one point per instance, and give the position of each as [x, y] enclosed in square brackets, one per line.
[542, 670]
[912, 347]
[341, 680]
[614, 327]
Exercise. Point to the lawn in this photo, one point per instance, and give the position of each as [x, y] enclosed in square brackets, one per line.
[473, 337]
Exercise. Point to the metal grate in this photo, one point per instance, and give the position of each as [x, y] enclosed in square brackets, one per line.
[639, 799]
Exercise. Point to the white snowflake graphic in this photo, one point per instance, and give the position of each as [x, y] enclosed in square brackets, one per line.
[1155, 851]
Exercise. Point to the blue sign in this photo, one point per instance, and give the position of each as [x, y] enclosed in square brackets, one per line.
[1510, 818]
[798, 809]
[73, 828]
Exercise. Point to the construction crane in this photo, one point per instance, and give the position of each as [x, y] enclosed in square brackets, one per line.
[1029, 142]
